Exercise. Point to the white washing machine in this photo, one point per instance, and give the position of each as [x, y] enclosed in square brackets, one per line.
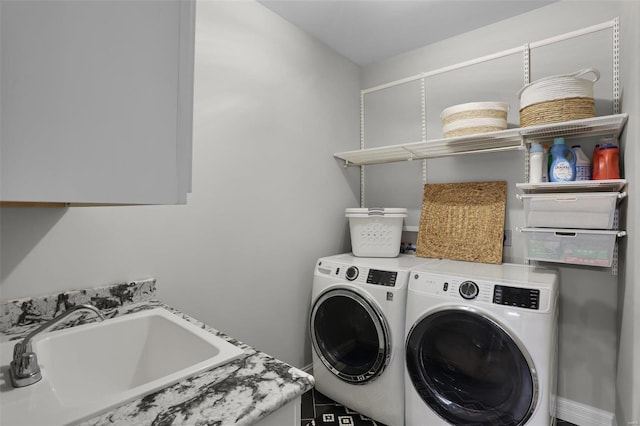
[481, 345]
[357, 332]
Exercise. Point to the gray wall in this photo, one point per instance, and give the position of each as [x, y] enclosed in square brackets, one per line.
[628, 376]
[271, 107]
[589, 297]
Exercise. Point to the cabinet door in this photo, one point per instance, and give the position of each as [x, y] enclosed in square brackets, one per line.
[97, 101]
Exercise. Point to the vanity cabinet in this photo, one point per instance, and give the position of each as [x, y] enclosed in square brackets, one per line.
[97, 101]
[289, 414]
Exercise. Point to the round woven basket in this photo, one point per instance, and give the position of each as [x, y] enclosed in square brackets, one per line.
[474, 117]
[557, 111]
[558, 98]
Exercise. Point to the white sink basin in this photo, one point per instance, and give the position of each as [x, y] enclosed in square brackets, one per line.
[92, 368]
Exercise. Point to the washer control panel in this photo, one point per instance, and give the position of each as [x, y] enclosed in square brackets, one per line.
[538, 295]
[513, 296]
[379, 277]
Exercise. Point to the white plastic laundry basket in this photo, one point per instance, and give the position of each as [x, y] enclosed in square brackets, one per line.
[376, 232]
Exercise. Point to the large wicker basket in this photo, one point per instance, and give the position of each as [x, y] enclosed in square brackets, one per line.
[558, 98]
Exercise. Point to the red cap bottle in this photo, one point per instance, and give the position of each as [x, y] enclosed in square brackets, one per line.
[595, 167]
[609, 155]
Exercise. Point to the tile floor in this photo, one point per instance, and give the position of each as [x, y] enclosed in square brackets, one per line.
[319, 410]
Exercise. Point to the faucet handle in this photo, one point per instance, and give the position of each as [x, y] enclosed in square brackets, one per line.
[24, 369]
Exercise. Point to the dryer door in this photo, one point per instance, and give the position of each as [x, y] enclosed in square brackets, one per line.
[469, 370]
[350, 335]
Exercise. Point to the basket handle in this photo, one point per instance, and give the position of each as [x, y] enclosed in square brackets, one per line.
[585, 71]
[565, 234]
[375, 211]
[579, 73]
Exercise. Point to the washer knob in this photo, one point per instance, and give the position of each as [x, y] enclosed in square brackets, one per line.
[352, 273]
[468, 290]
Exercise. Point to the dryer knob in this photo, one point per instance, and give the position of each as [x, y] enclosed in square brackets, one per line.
[352, 273]
[468, 290]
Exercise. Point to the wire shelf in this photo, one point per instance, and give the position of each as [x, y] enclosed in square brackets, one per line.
[503, 140]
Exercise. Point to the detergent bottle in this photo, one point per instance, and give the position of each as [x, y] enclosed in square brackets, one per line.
[536, 163]
[609, 159]
[563, 165]
[583, 164]
[545, 163]
[595, 167]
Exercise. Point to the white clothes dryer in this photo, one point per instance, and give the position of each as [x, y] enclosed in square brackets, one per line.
[357, 332]
[481, 345]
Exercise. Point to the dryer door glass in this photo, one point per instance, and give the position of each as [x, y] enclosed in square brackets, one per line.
[350, 335]
[470, 371]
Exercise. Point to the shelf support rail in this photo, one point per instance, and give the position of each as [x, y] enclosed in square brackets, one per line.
[362, 147]
[532, 45]
[616, 66]
[526, 58]
[423, 90]
[616, 109]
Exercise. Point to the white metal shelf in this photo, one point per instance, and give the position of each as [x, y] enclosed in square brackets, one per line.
[503, 140]
[596, 126]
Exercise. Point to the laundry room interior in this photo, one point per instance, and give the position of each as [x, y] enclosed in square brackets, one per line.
[273, 107]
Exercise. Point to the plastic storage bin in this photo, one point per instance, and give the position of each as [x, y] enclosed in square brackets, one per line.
[376, 232]
[580, 247]
[593, 210]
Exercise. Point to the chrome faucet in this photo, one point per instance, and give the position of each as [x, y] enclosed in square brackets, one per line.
[24, 369]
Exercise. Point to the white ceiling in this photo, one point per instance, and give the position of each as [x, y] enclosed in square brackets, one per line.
[368, 31]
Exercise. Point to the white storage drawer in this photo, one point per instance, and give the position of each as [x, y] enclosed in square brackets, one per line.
[593, 210]
[577, 246]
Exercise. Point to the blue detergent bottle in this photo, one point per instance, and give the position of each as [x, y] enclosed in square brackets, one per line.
[563, 164]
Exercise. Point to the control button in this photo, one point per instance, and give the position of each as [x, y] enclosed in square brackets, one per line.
[445, 287]
[468, 290]
[352, 273]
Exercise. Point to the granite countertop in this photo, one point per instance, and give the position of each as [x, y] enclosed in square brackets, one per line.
[241, 392]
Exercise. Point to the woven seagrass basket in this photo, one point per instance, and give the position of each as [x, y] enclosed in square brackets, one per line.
[474, 117]
[558, 98]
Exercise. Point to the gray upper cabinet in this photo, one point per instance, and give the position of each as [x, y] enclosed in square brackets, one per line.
[96, 101]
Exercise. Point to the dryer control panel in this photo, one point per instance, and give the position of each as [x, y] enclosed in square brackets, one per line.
[513, 296]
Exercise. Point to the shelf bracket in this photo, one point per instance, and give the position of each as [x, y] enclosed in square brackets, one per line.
[526, 62]
[614, 260]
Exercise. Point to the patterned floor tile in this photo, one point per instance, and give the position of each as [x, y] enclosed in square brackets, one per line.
[319, 410]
